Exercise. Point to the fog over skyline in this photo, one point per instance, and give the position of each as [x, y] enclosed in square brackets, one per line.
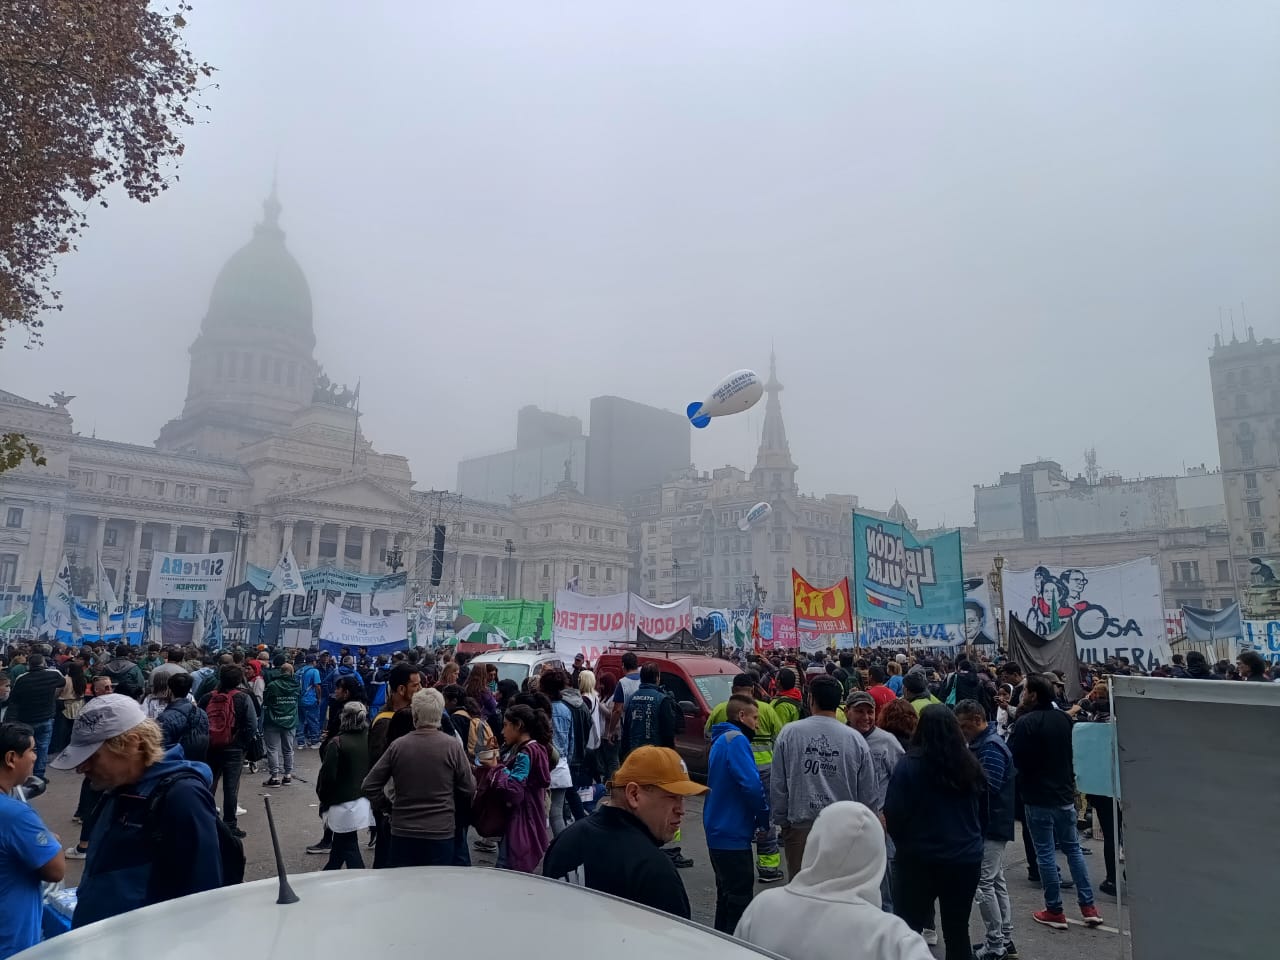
[976, 234]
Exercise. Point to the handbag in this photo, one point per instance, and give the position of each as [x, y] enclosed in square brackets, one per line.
[256, 748]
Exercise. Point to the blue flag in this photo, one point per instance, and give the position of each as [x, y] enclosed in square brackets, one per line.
[899, 578]
[38, 615]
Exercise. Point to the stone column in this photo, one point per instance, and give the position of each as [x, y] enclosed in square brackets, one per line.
[366, 546]
[205, 535]
[287, 541]
[173, 539]
[456, 583]
[313, 555]
[341, 559]
[135, 555]
[99, 535]
[55, 535]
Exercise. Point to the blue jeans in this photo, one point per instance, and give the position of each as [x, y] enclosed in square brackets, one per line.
[308, 723]
[1052, 827]
[44, 733]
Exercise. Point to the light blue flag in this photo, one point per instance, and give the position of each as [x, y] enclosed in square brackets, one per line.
[899, 578]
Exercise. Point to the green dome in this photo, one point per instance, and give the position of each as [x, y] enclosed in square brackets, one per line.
[262, 285]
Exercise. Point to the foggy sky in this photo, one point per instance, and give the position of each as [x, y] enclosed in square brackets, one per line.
[977, 233]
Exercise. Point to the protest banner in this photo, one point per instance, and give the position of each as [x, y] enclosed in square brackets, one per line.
[589, 625]
[189, 576]
[821, 610]
[347, 628]
[898, 577]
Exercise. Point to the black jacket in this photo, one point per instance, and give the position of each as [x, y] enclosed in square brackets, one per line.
[931, 822]
[613, 852]
[33, 698]
[1040, 742]
[651, 719]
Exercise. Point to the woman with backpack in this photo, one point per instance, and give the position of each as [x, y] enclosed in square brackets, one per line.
[343, 806]
[511, 794]
[565, 735]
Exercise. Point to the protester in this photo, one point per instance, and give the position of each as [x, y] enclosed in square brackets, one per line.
[915, 690]
[157, 699]
[652, 716]
[152, 797]
[568, 737]
[521, 780]
[1041, 746]
[622, 694]
[429, 771]
[70, 703]
[993, 891]
[768, 726]
[934, 811]
[617, 849]
[30, 853]
[126, 676]
[736, 809]
[33, 700]
[816, 761]
[182, 722]
[279, 719]
[343, 805]
[1252, 667]
[309, 715]
[831, 909]
[899, 719]
[233, 723]
[880, 692]
[788, 702]
[885, 748]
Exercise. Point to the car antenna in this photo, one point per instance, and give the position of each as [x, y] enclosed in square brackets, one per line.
[286, 892]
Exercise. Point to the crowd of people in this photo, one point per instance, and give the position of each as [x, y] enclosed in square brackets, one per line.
[888, 785]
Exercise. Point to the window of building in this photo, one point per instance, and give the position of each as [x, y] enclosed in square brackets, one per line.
[1242, 402]
[577, 570]
[1257, 539]
[118, 484]
[224, 496]
[1251, 481]
[577, 531]
[1186, 570]
[13, 519]
[593, 533]
[544, 598]
[612, 536]
[8, 569]
[1224, 602]
[292, 377]
[264, 368]
[1224, 570]
[109, 537]
[546, 570]
[1253, 509]
[608, 573]
[73, 533]
[591, 573]
[277, 374]
[147, 540]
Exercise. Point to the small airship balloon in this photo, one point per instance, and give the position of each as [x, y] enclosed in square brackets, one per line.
[739, 391]
[754, 516]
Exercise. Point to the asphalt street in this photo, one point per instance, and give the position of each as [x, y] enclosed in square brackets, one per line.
[298, 823]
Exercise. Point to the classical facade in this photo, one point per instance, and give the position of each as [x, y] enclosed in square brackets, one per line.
[268, 453]
[686, 540]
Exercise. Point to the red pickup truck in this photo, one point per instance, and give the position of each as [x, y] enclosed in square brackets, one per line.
[699, 684]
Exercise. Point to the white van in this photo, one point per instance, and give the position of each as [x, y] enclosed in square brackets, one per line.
[520, 665]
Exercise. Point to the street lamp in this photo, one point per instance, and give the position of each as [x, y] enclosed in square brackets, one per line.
[996, 579]
[675, 575]
[511, 549]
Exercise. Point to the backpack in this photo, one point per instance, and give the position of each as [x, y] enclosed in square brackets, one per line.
[801, 705]
[480, 737]
[230, 847]
[195, 741]
[123, 678]
[222, 719]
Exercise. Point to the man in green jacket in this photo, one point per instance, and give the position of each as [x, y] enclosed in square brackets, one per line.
[279, 718]
[768, 857]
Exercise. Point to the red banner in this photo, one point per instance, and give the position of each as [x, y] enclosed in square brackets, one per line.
[821, 610]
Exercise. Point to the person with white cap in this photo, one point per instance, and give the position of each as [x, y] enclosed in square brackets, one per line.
[155, 833]
[834, 899]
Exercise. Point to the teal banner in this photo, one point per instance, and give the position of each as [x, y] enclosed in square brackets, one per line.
[904, 580]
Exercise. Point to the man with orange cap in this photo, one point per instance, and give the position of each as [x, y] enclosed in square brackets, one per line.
[618, 849]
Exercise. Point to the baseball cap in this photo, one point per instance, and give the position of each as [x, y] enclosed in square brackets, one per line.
[101, 719]
[860, 696]
[657, 767]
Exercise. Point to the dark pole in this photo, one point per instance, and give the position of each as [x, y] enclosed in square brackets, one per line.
[511, 549]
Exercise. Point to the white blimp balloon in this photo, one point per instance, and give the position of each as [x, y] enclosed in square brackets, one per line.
[739, 391]
[754, 516]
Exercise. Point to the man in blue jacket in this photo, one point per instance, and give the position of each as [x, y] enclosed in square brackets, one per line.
[155, 834]
[734, 810]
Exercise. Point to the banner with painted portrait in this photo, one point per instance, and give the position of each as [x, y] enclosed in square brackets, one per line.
[1116, 610]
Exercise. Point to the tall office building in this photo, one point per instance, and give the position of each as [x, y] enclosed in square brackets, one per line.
[633, 446]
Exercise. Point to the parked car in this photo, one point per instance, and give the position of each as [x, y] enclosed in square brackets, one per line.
[394, 914]
[699, 683]
[520, 665]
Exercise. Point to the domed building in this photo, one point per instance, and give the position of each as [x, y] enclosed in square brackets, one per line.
[267, 453]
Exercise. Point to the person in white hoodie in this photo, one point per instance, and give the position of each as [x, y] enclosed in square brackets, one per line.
[834, 900]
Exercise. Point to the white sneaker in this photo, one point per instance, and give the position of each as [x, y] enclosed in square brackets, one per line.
[930, 936]
[240, 811]
[75, 853]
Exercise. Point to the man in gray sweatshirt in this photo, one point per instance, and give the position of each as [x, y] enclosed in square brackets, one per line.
[816, 762]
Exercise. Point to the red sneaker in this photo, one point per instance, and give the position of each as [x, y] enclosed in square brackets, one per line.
[1053, 918]
[1091, 917]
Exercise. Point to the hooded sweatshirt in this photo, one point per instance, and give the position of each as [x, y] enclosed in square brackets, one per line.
[736, 805]
[834, 900]
[129, 866]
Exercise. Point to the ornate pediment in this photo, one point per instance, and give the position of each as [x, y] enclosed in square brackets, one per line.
[346, 493]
